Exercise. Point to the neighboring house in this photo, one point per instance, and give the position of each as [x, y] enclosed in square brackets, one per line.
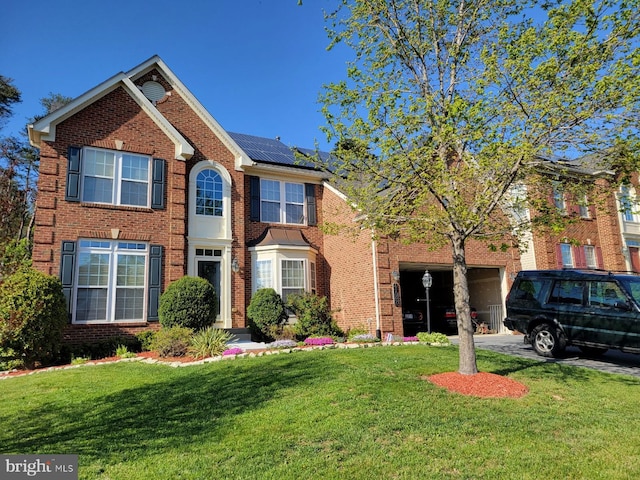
[139, 186]
[628, 203]
[591, 241]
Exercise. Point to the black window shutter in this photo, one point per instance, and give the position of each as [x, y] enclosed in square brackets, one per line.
[155, 282]
[254, 193]
[158, 184]
[67, 273]
[310, 191]
[74, 172]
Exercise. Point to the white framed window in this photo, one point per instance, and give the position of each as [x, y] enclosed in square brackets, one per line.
[111, 281]
[116, 178]
[293, 278]
[583, 207]
[567, 255]
[628, 204]
[287, 270]
[558, 199]
[264, 275]
[590, 256]
[209, 193]
[282, 202]
[312, 279]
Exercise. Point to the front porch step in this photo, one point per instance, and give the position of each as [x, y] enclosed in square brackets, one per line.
[240, 334]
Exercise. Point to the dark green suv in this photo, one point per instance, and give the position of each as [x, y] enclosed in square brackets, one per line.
[592, 310]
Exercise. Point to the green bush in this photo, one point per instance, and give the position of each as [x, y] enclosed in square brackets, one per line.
[266, 313]
[172, 341]
[146, 339]
[33, 315]
[433, 338]
[100, 349]
[209, 342]
[314, 316]
[188, 302]
[14, 255]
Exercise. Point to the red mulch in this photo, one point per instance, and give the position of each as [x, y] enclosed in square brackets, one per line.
[485, 385]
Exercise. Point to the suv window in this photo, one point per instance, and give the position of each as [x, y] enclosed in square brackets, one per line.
[528, 290]
[567, 291]
[605, 294]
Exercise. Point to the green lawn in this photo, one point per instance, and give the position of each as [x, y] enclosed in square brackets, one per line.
[343, 414]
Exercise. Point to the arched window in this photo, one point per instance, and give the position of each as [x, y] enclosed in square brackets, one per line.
[209, 193]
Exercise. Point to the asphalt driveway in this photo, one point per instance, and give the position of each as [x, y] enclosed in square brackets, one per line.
[613, 361]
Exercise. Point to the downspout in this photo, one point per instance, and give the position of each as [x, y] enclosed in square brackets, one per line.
[376, 292]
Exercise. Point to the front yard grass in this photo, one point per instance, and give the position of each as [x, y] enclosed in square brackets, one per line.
[333, 414]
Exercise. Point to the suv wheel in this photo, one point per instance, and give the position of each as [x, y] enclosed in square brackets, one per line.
[546, 341]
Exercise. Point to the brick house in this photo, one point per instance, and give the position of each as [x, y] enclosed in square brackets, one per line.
[139, 186]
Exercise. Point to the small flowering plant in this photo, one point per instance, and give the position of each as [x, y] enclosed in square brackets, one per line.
[319, 341]
[364, 338]
[410, 339]
[233, 351]
[283, 344]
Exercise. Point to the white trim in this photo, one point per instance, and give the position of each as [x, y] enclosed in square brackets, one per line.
[202, 226]
[113, 253]
[45, 128]
[224, 297]
[241, 158]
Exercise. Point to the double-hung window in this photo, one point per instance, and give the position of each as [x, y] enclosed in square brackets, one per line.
[558, 199]
[116, 178]
[567, 256]
[281, 202]
[111, 281]
[627, 204]
[293, 278]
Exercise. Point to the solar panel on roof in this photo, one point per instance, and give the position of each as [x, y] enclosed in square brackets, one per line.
[264, 149]
[270, 150]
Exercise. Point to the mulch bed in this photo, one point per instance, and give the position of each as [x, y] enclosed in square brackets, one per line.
[482, 384]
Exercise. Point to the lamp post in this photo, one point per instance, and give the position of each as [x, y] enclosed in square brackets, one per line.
[427, 280]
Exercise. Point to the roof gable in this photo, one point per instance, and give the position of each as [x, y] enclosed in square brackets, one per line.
[45, 128]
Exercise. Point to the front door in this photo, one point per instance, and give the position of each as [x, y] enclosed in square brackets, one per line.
[210, 270]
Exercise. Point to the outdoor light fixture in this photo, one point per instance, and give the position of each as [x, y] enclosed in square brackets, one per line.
[396, 275]
[235, 265]
[427, 281]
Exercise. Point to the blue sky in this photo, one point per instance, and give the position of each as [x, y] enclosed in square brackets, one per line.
[257, 66]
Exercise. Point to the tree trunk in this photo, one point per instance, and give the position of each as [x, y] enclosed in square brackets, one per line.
[463, 312]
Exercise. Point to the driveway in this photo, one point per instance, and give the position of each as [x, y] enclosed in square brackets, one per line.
[613, 361]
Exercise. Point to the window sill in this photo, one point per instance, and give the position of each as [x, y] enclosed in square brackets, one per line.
[107, 206]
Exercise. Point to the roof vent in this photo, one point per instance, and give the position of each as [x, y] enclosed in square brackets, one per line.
[153, 91]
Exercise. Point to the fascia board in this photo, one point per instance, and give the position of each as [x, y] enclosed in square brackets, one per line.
[241, 158]
[45, 128]
[283, 172]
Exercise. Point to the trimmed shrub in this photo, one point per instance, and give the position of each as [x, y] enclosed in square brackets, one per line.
[314, 316]
[267, 313]
[434, 338]
[146, 339]
[33, 314]
[172, 341]
[209, 342]
[100, 349]
[188, 302]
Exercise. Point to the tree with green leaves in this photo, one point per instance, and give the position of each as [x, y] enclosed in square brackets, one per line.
[448, 105]
[19, 163]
